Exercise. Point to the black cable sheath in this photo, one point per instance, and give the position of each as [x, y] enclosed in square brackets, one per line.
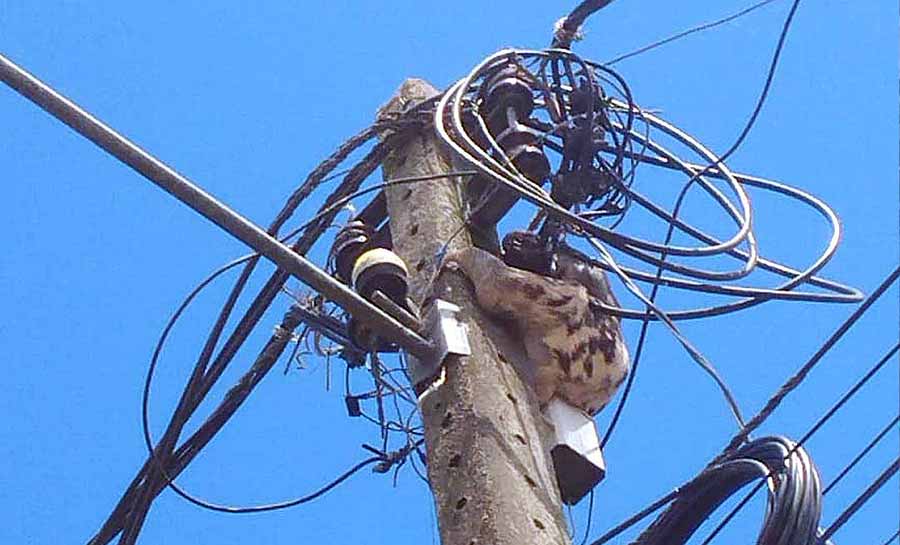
[794, 505]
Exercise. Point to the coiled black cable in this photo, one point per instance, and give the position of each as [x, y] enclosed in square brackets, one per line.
[795, 495]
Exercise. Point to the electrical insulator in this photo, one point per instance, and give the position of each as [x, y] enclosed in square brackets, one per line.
[350, 243]
[383, 270]
[509, 89]
[525, 152]
[508, 98]
[378, 269]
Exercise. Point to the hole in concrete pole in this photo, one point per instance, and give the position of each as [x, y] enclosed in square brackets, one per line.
[454, 460]
[530, 482]
[512, 398]
[447, 419]
[461, 503]
[538, 524]
[421, 265]
[414, 229]
[407, 194]
[520, 438]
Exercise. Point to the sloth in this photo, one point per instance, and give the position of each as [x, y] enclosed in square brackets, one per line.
[577, 348]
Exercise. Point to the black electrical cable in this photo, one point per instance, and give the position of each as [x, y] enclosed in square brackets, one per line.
[130, 511]
[449, 110]
[275, 506]
[770, 77]
[797, 378]
[688, 32]
[892, 538]
[637, 517]
[629, 384]
[186, 303]
[794, 502]
[879, 481]
[570, 26]
[791, 384]
[737, 509]
[695, 354]
[152, 449]
[642, 337]
[868, 448]
[590, 517]
[815, 428]
[645, 324]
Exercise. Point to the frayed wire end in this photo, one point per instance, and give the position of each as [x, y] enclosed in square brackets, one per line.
[563, 35]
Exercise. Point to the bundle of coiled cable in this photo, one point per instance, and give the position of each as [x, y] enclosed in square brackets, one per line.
[794, 500]
[528, 119]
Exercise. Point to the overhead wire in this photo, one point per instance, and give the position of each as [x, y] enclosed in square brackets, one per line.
[790, 385]
[449, 108]
[812, 431]
[688, 32]
[590, 516]
[190, 298]
[770, 77]
[862, 454]
[798, 377]
[697, 174]
[507, 173]
[140, 493]
[794, 503]
[731, 150]
[569, 28]
[861, 500]
[676, 332]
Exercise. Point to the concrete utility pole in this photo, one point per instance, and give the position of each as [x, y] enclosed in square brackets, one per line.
[487, 442]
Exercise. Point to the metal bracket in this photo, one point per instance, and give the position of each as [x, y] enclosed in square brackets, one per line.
[447, 334]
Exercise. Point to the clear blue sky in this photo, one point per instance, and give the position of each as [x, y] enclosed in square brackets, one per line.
[246, 99]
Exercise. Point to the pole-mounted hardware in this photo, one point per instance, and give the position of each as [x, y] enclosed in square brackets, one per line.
[576, 452]
[449, 335]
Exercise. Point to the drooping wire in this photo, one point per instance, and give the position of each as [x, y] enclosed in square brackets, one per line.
[688, 32]
[794, 504]
[637, 517]
[495, 165]
[645, 324]
[276, 506]
[130, 512]
[170, 482]
[590, 517]
[751, 121]
[685, 343]
[797, 378]
[745, 432]
[770, 77]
